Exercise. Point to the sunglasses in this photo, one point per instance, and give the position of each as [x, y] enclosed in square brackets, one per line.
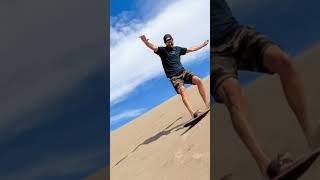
[169, 39]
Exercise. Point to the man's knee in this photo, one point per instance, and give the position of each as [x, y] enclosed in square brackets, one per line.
[278, 61]
[196, 80]
[230, 92]
[181, 90]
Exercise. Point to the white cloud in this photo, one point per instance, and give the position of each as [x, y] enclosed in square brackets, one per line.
[127, 114]
[132, 63]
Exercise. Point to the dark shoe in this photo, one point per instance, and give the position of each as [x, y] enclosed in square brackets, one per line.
[196, 114]
[278, 165]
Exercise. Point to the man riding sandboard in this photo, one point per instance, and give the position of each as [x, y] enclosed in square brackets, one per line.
[170, 57]
[235, 47]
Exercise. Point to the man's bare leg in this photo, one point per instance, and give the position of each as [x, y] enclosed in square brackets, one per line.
[277, 61]
[197, 81]
[231, 95]
[185, 99]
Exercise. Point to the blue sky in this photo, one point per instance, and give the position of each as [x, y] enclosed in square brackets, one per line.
[117, 7]
[154, 88]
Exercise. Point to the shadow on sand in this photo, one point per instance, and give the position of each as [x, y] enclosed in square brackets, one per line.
[190, 124]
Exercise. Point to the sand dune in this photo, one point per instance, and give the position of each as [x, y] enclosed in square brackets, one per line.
[274, 123]
[157, 146]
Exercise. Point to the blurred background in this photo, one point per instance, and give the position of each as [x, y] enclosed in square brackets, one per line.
[54, 89]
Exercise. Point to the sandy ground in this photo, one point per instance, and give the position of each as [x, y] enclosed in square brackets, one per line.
[274, 123]
[153, 146]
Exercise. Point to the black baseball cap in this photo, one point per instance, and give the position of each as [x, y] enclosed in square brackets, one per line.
[167, 37]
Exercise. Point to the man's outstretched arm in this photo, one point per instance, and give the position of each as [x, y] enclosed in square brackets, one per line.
[195, 48]
[149, 44]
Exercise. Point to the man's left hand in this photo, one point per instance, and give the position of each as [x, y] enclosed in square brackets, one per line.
[205, 43]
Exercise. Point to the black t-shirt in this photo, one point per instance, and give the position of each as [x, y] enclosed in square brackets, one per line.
[170, 58]
[222, 21]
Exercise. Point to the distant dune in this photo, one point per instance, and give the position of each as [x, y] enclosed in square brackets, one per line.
[274, 123]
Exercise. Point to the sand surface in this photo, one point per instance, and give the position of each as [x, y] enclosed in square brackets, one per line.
[153, 146]
[275, 125]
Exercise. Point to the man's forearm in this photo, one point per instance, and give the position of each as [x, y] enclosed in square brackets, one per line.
[195, 48]
[198, 47]
[150, 45]
[147, 43]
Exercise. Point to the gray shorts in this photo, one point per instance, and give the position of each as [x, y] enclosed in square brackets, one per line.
[243, 50]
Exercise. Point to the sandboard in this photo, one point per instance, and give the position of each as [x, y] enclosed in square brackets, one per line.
[299, 167]
[192, 122]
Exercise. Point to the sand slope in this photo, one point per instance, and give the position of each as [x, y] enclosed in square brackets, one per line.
[274, 123]
[152, 147]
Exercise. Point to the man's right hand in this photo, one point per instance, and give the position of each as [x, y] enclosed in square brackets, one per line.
[143, 38]
[149, 44]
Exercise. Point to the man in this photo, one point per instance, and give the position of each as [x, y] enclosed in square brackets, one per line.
[170, 57]
[236, 47]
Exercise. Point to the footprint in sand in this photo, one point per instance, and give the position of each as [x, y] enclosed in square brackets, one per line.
[197, 156]
[179, 157]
